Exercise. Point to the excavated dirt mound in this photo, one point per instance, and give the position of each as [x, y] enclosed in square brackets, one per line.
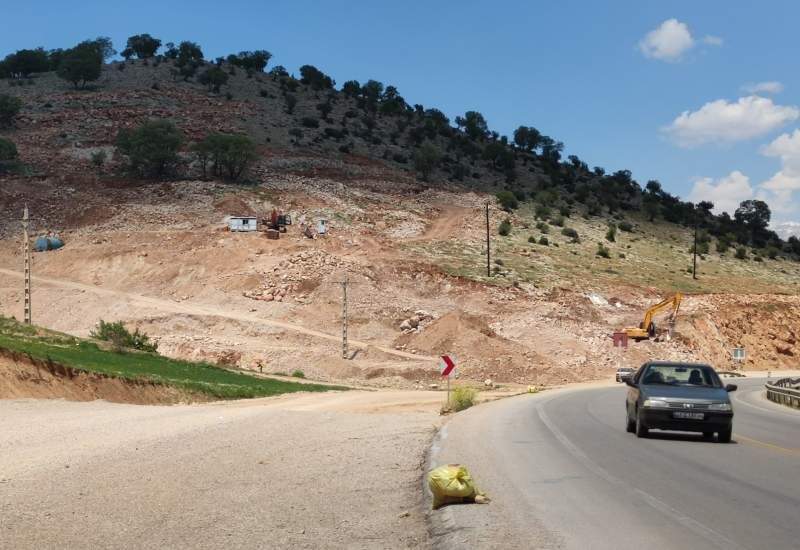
[21, 377]
[482, 353]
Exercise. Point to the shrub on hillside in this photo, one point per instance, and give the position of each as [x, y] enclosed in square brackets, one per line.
[9, 108]
[543, 241]
[603, 251]
[571, 233]
[505, 227]
[611, 234]
[542, 212]
[741, 253]
[543, 227]
[507, 200]
[99, 158]
[426, 159]
[229, 155]
[463, 398]
[291, 102]
[152, 148]
[8, 155]
[625, 226]
[121, 338]
[558, 221]
[213, 78]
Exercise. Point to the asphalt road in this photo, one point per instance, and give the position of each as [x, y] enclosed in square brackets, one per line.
[563, 473]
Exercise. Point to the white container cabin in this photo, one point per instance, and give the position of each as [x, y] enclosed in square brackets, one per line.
[243, 223]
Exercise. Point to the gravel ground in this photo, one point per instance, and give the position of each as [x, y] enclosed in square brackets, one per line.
[305, 471]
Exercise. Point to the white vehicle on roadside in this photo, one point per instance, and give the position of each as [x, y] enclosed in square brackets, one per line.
[623, 373]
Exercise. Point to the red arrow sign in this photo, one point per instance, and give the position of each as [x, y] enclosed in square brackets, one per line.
[447, 365]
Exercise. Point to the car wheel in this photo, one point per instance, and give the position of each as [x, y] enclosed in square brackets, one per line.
[641, 429]
[725, 434]
[630, 425]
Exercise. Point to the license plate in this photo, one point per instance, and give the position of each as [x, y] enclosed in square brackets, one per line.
[688, 415]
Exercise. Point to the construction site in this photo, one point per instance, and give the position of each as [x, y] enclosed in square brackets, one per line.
[163, 258]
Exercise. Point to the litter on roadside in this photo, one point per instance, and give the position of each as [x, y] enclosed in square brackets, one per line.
[452, 484]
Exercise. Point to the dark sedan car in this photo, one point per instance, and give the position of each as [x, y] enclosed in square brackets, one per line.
[685, 397]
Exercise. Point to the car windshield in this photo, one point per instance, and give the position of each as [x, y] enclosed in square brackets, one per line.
[681, 375]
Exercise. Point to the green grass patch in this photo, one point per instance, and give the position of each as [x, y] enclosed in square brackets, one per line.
[87, 356]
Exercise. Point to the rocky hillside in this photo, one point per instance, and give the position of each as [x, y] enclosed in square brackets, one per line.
[308, 125]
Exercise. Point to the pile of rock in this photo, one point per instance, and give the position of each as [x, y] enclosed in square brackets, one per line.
[417, 322]
[288, 275]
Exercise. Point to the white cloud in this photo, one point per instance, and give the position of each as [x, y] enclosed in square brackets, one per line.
[785, 181]
[721, 121]
[786, 229]
[726, 193]
[769, 87]
[668, 42]
[712, 40]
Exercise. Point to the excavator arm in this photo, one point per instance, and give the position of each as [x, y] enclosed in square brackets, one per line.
[647, 328]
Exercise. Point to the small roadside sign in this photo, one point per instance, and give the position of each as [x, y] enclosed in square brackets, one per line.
[447, 365]
[739, 354]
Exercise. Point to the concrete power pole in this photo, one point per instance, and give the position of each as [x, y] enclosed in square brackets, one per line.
[344, 316]
[488, 244]
[26, 253]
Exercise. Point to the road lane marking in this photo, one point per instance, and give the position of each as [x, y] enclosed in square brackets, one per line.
[714, 537]
[758, 443]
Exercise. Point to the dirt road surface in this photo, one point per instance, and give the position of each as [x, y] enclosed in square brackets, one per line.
[339, 470]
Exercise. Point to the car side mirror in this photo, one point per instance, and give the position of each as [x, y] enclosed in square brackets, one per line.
[630, 382]
[731, 387]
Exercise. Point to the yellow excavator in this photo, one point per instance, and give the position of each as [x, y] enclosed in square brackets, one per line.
[647, 328]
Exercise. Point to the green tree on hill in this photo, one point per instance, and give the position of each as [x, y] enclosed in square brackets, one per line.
[152, 148]
[214, 78]
[311, 76]
[754, 215]
[81, 64]
[426, 158]
[251, 61]
[23, 63]
[473, 124]
[527, 138]
[143, 46]
[188, 58]
[351, 88]
[229, 154]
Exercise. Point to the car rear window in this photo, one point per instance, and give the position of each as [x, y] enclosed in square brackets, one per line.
[681, 375]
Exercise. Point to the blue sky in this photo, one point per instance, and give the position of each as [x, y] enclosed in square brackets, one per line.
[583, 72]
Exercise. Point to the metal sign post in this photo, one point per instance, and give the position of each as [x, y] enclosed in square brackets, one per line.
[738, 355]
[447, 367]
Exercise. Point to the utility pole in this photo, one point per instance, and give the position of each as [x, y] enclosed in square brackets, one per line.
[344, 316]
[488, 245]
[26, 253]
[694, 248]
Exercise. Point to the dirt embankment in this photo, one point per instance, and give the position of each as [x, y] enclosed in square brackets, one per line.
[23, 377]
[764, 325]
